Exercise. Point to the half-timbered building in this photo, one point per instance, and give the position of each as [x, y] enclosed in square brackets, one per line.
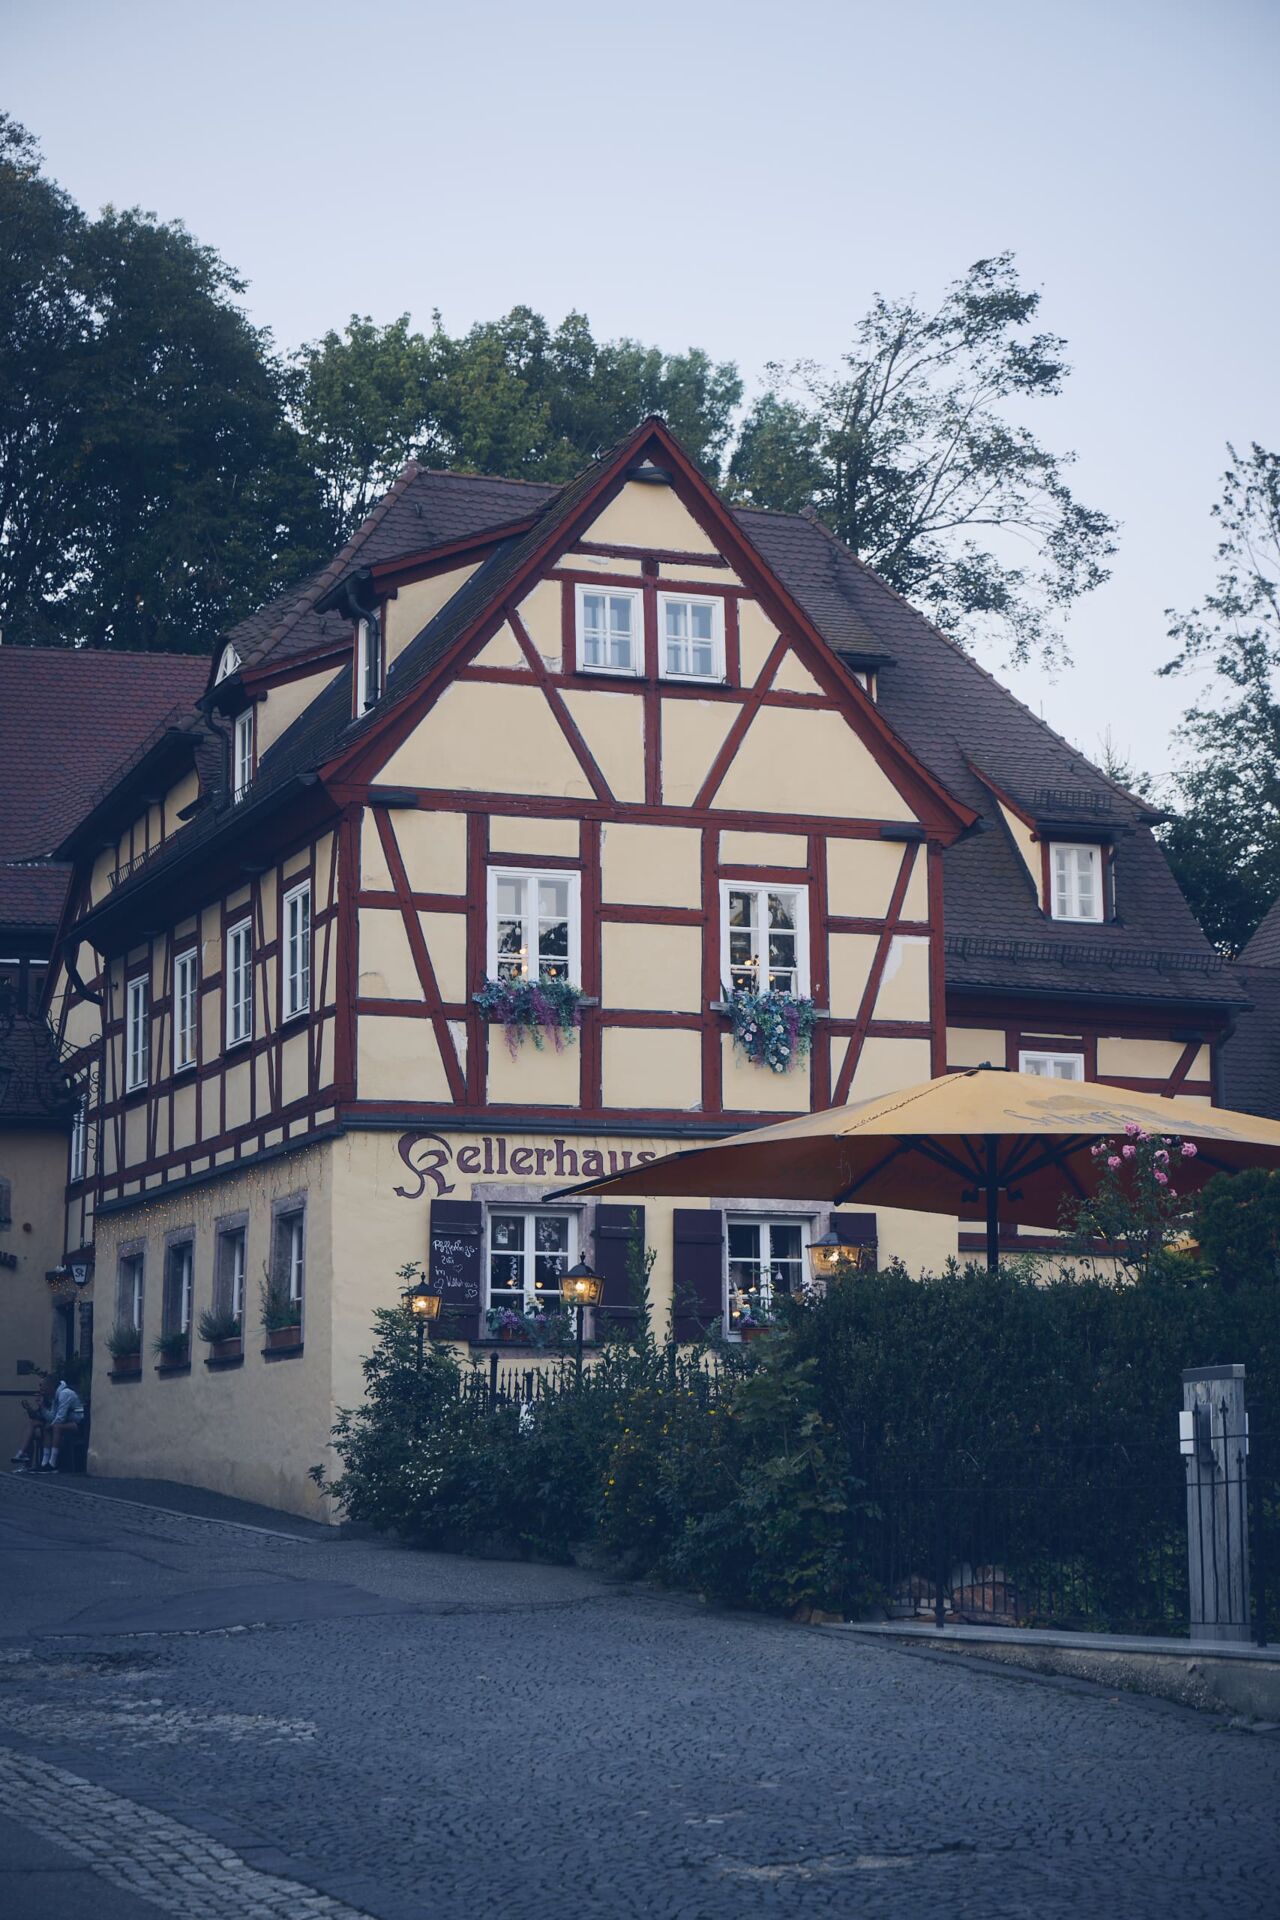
[620, 739]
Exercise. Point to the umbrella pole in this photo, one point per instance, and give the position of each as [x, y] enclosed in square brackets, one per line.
[993, 1207]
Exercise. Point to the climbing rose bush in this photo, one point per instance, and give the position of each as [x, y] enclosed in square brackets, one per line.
[1136, 1211]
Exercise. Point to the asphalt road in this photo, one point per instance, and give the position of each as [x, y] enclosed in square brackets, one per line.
[202, 1720]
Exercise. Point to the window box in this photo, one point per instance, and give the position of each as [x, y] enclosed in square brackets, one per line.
[534, 1007]
[225, 1353]
[280, 1338]
[774, 1030]
[749, 1333]
[126, 1366]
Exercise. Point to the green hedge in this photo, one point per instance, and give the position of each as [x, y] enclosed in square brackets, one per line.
[750, 1474]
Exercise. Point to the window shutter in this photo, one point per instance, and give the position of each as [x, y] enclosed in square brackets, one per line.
[858, 1230]
[697, 1271]
[618, 1236]
[456, 1255]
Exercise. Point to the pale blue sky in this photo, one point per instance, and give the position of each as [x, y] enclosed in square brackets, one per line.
[743, 177]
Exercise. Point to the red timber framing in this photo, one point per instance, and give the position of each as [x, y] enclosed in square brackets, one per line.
[1063, 1026]
[468, 1086]
[216, 1137]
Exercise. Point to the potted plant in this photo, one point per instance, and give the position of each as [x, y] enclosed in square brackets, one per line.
[172, 1349]
[281, 1317]
[124, 1344]
[754, 1316]
[550, 1326]
[222, 1331]
[504, 1323]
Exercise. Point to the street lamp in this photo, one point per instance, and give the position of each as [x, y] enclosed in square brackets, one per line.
[581, 1288]
[424, 1305]
[832, 1258]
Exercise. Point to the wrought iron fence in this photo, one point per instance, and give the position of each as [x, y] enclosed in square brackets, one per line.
[1079, 1535]
[611, 1373]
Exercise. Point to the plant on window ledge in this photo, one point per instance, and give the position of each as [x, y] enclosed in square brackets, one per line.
[172, 1349]
[774, 1030]
[218, 1324]
[124, 1344]
[504, 1323]
[281, 1316]
[754, 1313]
[545, 1005]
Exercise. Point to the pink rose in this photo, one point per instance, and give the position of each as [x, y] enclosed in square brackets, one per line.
[1188, 1149]
[1173, 1193]
[1133, 1130]
[1162, 1158]
[1128, 1152]
[1163, 1179]
[1114, 1160]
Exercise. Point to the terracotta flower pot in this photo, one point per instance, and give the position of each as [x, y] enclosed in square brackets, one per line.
[284, 1336]
[753, 1333]
[226, 1349]
[126, 1363]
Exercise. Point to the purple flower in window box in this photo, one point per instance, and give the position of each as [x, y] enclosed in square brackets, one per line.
[774, 1030]
[546, 1005]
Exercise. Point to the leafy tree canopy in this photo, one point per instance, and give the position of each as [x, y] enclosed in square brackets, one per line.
[913, 451]
[510, 396]
[1225, 844]
[151, 488]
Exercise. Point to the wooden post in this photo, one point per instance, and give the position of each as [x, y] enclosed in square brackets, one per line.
[1215, 1446]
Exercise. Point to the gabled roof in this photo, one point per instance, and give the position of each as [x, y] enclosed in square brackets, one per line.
[424, 508]
[953, 718]
[69, 720]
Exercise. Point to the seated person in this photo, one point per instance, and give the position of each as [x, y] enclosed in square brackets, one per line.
[40, 1414]
[66, 1416]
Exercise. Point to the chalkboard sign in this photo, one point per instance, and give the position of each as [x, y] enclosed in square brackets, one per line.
[457, 1250]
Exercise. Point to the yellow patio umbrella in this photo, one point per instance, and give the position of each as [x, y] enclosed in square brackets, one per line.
[1016, 1142]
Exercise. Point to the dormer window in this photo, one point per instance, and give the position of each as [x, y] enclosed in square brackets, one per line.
[368, 662]
[1075, 875]
[229, 664]
[242, 755]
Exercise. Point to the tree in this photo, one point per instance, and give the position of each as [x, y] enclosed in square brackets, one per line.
[914, 454]
[151, 489]
[1225, 845]
[509, 396]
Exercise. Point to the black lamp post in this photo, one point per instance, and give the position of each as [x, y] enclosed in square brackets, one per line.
[581, 1288]
[424, 1305]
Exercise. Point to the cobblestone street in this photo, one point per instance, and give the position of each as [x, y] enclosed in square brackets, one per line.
[202, 1719]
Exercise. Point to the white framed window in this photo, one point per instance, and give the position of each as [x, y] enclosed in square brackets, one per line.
[368, 662]
[186, 985]
[765, 1259]
[297, 950]
[239, 983]
[610, 629]
[291, 1253]
[530, 1250]
[79, 1138]
[691, 631]
[764, 938]
[232, 1258]
[137, 1035]
[1052, 1066]
[242, 755]
[534, 924]
[1076, 878]
[181, 1274]
[129, 1278]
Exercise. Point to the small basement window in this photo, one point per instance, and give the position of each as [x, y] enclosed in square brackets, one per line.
[1076, 881]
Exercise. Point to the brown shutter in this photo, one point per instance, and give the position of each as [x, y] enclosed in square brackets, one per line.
[455, 1270]
[857, 1230]
[618, 1238]
[697, 1271]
